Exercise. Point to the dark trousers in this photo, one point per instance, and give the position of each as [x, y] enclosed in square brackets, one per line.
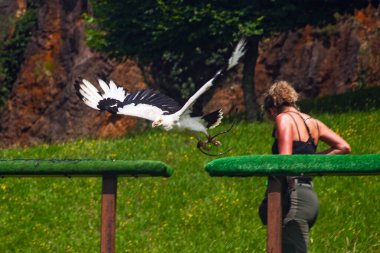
[300, 210]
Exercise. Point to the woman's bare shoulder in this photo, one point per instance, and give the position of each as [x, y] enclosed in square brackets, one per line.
[306, 116]
[283, 117]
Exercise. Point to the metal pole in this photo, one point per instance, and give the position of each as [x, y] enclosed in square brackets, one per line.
[108, 215]
[274, 226]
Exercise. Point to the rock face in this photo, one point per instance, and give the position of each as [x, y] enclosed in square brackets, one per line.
[328, 60]
[9, 11]
[317, 61]
[43, 106]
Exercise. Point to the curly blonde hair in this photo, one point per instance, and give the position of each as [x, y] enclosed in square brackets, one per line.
[281, 93]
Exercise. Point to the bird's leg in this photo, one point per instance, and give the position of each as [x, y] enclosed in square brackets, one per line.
[205, 150]
[211, 139]
[204, 147]
[203, 144]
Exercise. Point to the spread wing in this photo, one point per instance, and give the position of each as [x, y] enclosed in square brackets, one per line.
[232, 62]
[146, 104]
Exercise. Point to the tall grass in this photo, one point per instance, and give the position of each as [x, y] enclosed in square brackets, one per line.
[190, 211]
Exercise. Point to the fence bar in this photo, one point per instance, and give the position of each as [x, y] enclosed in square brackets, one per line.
[108, 214]
[274, 227]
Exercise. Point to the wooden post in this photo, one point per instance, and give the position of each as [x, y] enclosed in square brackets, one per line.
[274, 226]
[108, 214]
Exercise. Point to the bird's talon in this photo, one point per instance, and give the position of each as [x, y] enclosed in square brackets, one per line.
[216, 142]
[203, 145]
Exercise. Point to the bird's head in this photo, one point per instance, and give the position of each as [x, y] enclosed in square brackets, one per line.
[164, 122]
[158, 122]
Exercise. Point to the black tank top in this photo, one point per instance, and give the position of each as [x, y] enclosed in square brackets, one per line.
[299, 147]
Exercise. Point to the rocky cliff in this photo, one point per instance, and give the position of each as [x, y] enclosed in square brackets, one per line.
[317, 61]
[43, 106]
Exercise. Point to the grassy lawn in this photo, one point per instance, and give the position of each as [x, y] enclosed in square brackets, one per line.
[190, 211]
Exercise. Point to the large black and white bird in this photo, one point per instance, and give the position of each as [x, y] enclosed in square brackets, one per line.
[163, 111]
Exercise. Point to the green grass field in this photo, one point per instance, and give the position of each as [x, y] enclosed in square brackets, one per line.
[190, 211]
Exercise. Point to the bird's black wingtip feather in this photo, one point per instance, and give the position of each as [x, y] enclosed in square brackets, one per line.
[77, 83]
[214, 118]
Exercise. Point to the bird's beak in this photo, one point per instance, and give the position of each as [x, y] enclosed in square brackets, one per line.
[157, 123]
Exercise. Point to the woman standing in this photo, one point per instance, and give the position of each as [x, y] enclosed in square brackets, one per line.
[297, 133]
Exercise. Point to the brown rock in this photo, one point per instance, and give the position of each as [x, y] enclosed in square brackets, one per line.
[324, 61]
[43, 106]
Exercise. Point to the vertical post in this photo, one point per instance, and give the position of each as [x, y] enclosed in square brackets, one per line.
[108, 214]
[274, 226]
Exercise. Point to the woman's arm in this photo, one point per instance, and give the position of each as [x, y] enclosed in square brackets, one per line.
[337, 144]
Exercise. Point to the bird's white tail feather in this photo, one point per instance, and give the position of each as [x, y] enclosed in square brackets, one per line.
[112, 90]
[91, 95]
[237, 54]
[104, 86]
[90, 90]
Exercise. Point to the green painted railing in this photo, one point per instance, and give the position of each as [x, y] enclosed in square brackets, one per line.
[274, 166]
[109, 170]
[84, 168]
[293, 165]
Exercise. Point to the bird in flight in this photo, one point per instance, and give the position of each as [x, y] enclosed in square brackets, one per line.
[162, 110]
